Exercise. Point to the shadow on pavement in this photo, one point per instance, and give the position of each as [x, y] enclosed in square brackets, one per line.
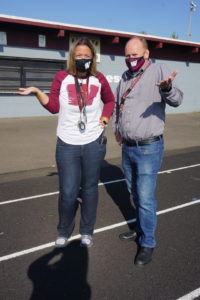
[61, 274]
[118, 192]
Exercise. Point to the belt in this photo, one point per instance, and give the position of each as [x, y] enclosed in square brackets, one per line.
[142, 142]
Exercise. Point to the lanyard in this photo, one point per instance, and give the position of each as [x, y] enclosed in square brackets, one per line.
[81, 97]
[125, 94]
[133, 83]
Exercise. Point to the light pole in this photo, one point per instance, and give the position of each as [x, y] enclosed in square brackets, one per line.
[192, 8]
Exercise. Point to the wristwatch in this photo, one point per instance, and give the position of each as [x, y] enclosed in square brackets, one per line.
[104, 120]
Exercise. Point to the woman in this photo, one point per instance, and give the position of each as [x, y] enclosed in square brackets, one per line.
[85, 102]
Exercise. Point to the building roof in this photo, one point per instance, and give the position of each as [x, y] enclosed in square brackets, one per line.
[91, 30]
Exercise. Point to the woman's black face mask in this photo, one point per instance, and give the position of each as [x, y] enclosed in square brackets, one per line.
[83, 65]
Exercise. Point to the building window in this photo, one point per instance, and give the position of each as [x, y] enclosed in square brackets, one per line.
[41, 40]
[23, 73]
[3, 38]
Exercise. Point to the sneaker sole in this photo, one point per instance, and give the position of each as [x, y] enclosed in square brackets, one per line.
[125, 238]
[86, 246]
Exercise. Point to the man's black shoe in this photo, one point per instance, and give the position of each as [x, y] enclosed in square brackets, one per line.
[128, 235]
[144, 256]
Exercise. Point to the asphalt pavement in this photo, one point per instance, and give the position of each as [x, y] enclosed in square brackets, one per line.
[32, 268]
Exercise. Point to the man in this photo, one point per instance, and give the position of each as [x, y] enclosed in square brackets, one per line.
[138, 121]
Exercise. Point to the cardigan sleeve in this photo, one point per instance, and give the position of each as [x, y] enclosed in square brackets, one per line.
[53, 105]
[106, 96]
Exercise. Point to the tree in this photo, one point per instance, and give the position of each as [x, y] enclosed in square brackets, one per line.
[143, 32]
[174, 36]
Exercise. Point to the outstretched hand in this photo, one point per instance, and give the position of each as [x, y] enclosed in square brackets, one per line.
[41, 96]
[26, 91]
[167, 83]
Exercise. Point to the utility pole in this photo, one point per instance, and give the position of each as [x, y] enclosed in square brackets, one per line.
[192, 8]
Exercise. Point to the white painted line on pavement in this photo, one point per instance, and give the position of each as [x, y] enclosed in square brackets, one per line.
[109, 227]
[28, 198]
[101, 183]
[178, 207]
[178, 169]
[193, 295]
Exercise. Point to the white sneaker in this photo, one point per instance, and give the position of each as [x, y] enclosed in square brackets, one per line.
[61, 242]
[86, 240]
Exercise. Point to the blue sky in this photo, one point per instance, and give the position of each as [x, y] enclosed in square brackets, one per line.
[158, 17]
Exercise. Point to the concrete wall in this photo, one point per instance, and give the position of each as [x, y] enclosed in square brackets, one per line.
[112, 67]
[11, 51]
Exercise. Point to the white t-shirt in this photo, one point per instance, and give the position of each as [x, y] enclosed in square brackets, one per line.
[63, 99]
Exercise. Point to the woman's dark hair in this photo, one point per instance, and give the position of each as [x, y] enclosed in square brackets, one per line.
[71, 68]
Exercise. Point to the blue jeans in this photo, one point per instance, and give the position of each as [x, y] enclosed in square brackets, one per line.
[141, 165]
[78, 167]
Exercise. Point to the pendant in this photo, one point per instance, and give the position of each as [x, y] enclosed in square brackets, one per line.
[81, 125]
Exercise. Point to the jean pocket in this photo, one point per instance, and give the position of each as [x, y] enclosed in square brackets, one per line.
[153, 148]
[60, 143]
[103, 140]
[102, 147]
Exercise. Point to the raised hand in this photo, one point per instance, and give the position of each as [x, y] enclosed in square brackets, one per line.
[42, 97]
[167, 83]
[26, 91]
